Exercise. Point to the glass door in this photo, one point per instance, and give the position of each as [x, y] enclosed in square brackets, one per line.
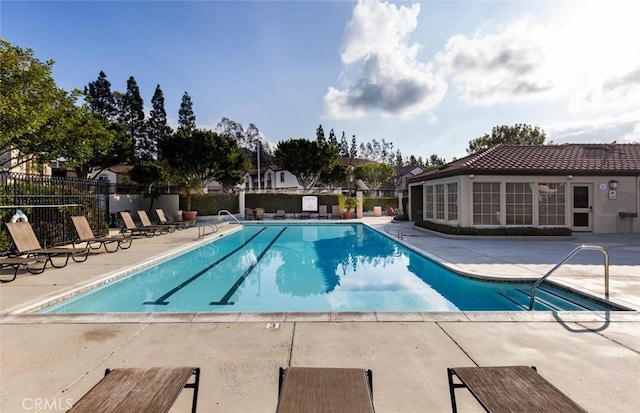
[581, 208]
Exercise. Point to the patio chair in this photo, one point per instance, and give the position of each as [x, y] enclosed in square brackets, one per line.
[322, 212]
[146, 390]
[131, 229]
[162, 220]
[249, 213]
[305, 215]
[259, 213]
[510, 389]
[27, 244]
[18, 262]
[326, 390]
[280, 214]
[335, 212]
[85, 234]
[146, 222]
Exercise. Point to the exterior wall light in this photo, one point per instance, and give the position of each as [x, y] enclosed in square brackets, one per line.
[570, 176]
[613, 184]
[471, 176]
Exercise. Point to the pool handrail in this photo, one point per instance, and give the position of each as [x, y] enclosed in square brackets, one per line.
[567, 258]
[227, 212]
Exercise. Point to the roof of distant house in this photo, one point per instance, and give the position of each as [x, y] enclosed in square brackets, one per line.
[574, 159]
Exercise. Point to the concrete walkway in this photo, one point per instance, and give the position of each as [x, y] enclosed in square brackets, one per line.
[49, 361]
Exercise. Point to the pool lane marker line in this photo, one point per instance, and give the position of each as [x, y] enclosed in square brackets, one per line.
[162, 300]
[240, 280]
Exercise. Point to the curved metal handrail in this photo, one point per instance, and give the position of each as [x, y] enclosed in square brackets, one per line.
[202, 230]
[400, 234]
[220, 213]
[567, 258]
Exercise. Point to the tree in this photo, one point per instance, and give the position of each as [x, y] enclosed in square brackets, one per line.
[353, 150]
[332, 138]
[186, 117]
[320, 134]
[374, 174]
[305, 159]
[100, 99]
[32, 107]
[435, 160]
[132, 116]
[344, 146]
[519, 134]
[157, 127]
[202, 156]
[336, 175]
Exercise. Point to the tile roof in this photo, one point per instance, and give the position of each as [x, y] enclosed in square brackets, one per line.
[575, 159]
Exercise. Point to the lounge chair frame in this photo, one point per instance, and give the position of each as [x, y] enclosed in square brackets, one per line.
[327, 390]
[148, 390]
[162, 220]
[18, 262]
[26, 244]
[146, 223]
[509, 389]
[86, 235]
[131, 229]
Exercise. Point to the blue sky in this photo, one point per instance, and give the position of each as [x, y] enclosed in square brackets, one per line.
[428, 76]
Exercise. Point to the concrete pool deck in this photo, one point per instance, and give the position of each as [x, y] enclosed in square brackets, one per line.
[48, 361]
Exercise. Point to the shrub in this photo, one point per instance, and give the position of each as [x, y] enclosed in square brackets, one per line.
[498, 231]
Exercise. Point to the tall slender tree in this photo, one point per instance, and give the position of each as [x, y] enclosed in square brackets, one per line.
[353, 151]
[100, 99]
[343, 148]
[157, 127]
[320, 134]
[332, 138]
[132, 115]
[186, 117]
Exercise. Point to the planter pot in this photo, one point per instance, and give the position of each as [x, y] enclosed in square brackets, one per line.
[346, 215]
[189, 215]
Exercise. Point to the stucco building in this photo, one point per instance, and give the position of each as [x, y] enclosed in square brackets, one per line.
[585, 187]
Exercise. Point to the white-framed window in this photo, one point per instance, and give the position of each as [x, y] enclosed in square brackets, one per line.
[452, 202]
[428, 202]
[486, 203]
[440, 201]
[551, 204]
[519, 203]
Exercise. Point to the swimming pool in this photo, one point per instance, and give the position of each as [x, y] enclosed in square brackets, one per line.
[310, 267]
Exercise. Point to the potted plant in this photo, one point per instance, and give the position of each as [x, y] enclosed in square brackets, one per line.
[349, 204]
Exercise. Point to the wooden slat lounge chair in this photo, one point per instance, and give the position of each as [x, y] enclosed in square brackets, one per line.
[162, 220]
[259, 213]
[325, 390]
[148, 390]
[18, 262]
[335, 212]
[146, 222]
[511, 389]
[85, 234]
[131, 229]
[26, 243]
[322, 212]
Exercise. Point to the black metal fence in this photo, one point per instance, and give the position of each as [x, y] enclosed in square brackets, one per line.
[49, 202]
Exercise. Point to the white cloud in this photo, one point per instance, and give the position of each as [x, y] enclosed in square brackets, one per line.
[506, 66]
[382, 72]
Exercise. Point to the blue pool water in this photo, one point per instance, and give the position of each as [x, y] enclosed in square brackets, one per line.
[309, 268]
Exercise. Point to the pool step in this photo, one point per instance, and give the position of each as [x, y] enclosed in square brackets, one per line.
[548, 300]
